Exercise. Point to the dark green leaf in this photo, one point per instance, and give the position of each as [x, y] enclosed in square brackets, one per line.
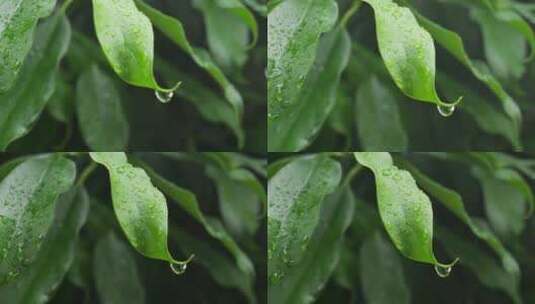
[116, 276]
[100, 113]
[378, 119]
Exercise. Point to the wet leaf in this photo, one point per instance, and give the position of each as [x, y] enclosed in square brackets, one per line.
[295, 196]
[23, 103]
[294, 28]
[299, 124]
[405, 210]
[18, 19]
[38, 283]
[306, 278]
[127, 39]
[27, 201]
[141, 209]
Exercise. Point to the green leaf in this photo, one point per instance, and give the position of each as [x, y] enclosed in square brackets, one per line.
[378, 119]
[27, 201]
[140, 208]
[483, 266]
[61, 103]
[295, 195]
[187, 200]
[407, 50]
[294, 28]
[23, 103]
[298, 125]
[505, 206]
[454, 203]
[38, 283]
[115, 271]
[228, 47]
[382, 270]
[305, 279]
[173, 29]
[18, 19]
[505, 48]
[101, 117]
[127, 40]
[405, 210]
[453, 43]
[239, 204]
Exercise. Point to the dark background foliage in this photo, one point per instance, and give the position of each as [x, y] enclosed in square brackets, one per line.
[346, 283]
[426, 130]
[154, 126]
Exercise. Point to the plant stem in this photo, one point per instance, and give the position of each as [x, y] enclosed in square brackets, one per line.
[351, 174]
[350, 12]
[66, 4]
[86, 173]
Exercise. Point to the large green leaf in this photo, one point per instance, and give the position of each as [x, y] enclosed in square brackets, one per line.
[115, 271]
[405, 209]
[383, 281]
[239, 204]
[297, 126]
[306, 278]
[187, 200]
[141, 209]
[505, 48]
[378, 119]
[453, 43]
[295, 195]
[38, 283]
[294, 28]
[408, 52]
[127, 40]
[23, 103]
[454, 202]
[173, 29]
[18, 19]
[100, 113]
[228, 47]
[27, 201]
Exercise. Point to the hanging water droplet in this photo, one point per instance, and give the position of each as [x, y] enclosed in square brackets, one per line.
[446, 110]
[179, 268]
[443, 271]
[164, 96]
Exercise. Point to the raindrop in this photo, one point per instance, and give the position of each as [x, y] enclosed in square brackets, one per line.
[446, 110]
[179, 268]
[163, 96]
[443, 271]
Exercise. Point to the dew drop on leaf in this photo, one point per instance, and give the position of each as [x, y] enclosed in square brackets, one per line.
[443, 271]
[179, 268]
[163, 96]
[446, 110]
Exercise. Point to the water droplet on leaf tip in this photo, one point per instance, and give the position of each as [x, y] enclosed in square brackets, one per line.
[179, 268]
[443, 271]
[446, 110]
[163, 96]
